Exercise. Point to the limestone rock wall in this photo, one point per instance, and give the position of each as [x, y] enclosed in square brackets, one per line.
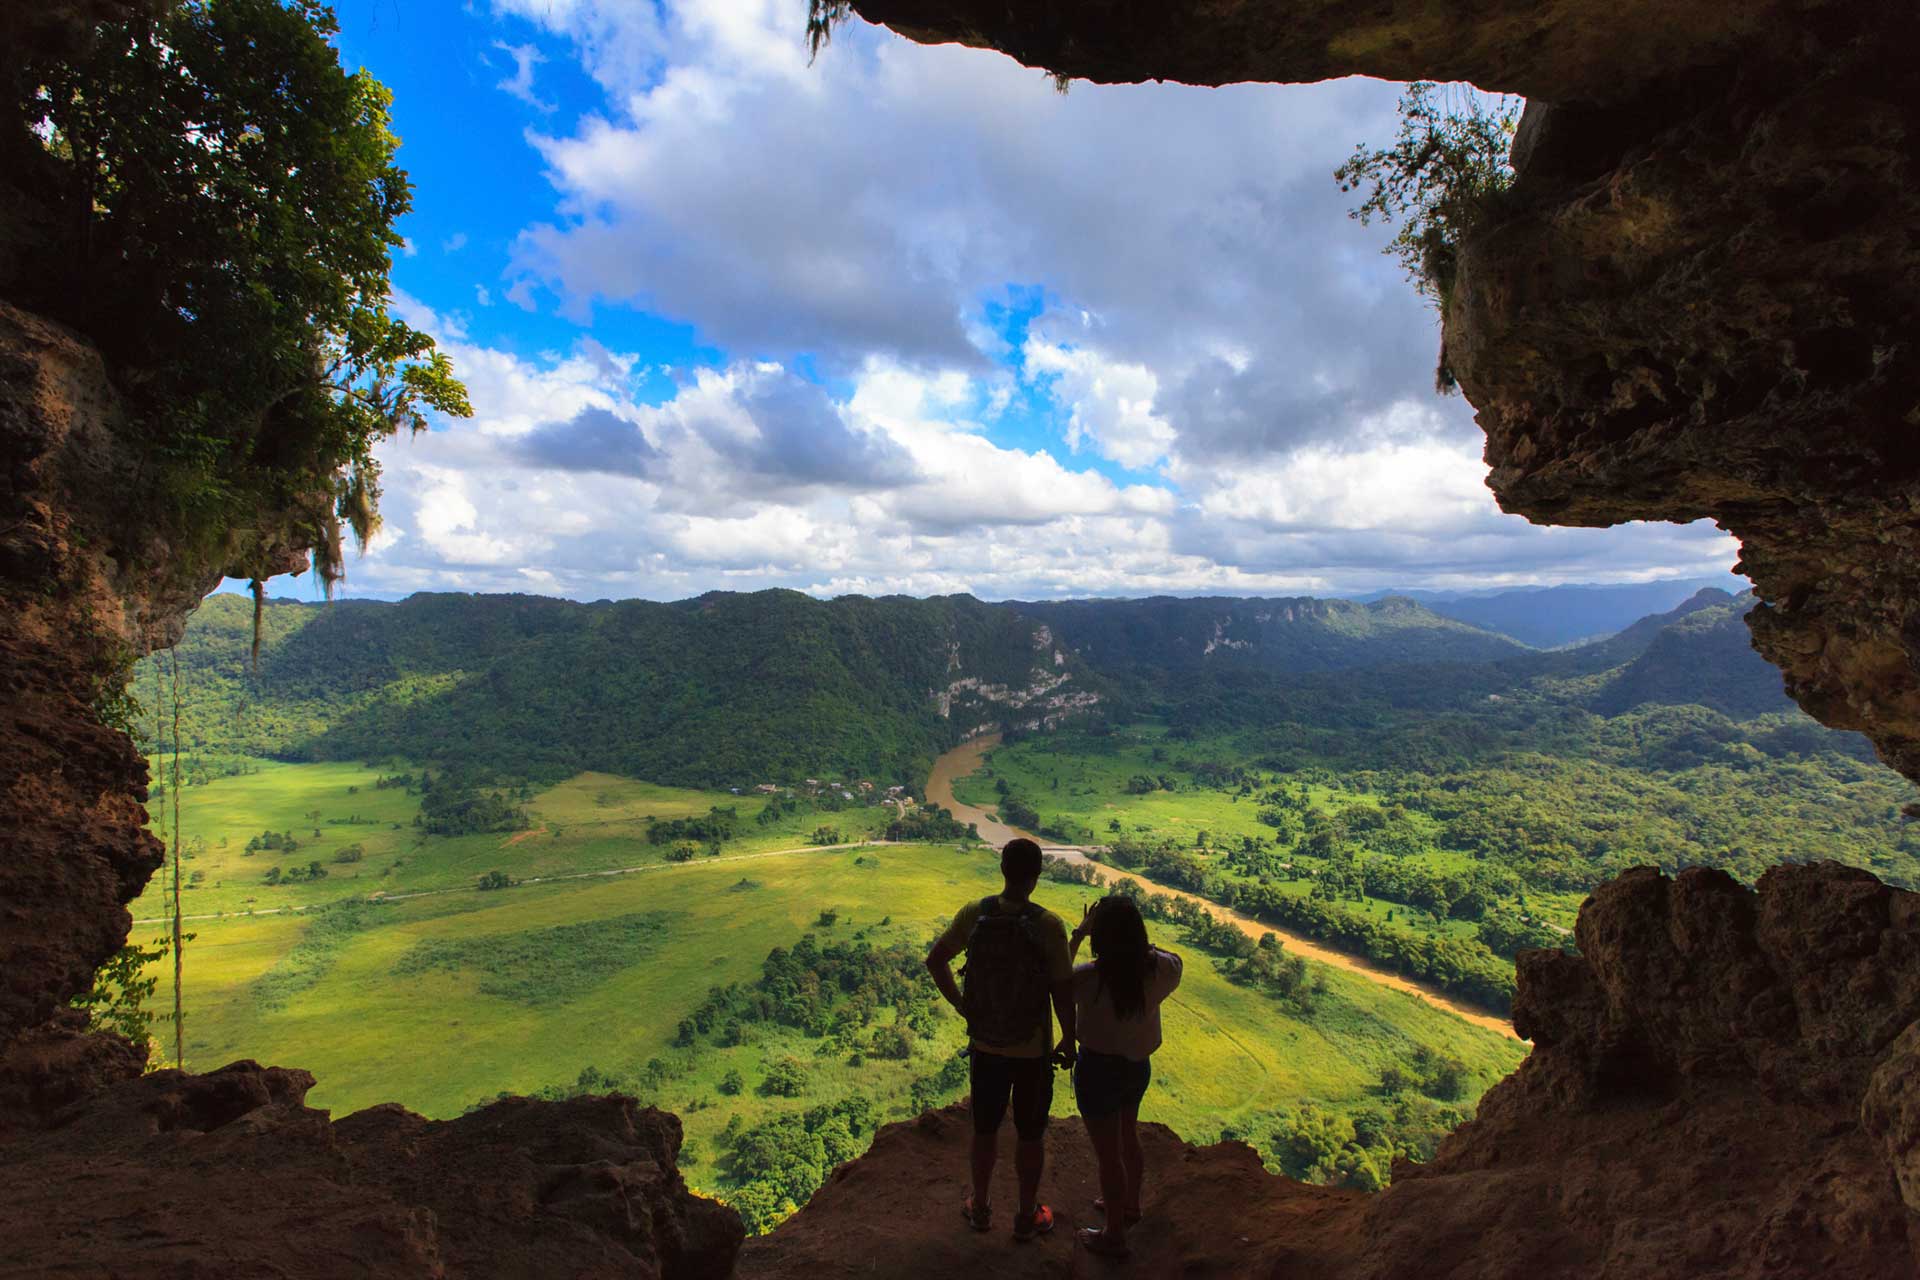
[1712, 312]
[1558, 50]
[1719, 1086]
[82, 593]
[229, 1173]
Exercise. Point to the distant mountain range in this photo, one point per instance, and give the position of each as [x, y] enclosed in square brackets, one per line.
[1699, 654]
[730, 688]
[1289, 635]
[725, 687]
[1549, 617]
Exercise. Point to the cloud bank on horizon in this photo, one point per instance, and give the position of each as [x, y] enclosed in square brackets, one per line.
[910, 320]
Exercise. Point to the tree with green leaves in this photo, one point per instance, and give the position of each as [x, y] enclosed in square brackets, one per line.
[787, 1078]
[1443, 173]
[221, 206]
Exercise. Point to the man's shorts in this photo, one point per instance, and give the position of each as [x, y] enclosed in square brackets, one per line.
[1104, 1083]
[998, 1079]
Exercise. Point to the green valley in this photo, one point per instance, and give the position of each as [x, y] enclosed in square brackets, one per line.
[440, 994]
[1439, 819]
[456, 846]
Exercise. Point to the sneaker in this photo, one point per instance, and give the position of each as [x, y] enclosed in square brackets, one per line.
[979, 1219]
[1038, 1223]
[1096, 1241]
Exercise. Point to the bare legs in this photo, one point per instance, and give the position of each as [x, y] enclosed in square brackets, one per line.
[986, 1150]
[1109, 1147]
[1132, 1157]
[1029, 1162]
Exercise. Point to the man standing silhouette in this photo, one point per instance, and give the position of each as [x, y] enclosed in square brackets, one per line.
[1019, 976]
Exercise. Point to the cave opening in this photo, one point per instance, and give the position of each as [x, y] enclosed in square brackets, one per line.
[1697, 304]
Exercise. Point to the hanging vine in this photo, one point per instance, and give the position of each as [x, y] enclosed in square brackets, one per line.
[120, 998]
[179, 1009]
[258, 588]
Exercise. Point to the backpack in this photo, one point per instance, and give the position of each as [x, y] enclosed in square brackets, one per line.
[1004, 987]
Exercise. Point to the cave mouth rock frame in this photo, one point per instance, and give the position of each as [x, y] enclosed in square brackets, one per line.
[1699, 302]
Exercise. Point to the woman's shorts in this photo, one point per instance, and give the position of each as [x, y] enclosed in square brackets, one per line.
[1104, 1083]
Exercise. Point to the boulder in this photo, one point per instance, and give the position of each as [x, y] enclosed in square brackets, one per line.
[230, 1173]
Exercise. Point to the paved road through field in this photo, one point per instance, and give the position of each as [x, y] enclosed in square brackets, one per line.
[966, 759]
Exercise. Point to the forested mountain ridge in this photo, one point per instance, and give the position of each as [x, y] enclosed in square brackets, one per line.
[1286, 634]
[1706, 658]
[723, 688]
[1629, 643]
[731, 689]
[1550, 617]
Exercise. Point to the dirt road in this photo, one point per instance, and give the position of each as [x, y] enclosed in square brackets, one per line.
[966, 759]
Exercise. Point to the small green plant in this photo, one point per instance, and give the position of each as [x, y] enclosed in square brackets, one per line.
[1444, 172]
[114, 701]
[122, 988]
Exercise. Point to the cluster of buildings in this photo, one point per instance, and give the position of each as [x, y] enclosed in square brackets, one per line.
[894, 797]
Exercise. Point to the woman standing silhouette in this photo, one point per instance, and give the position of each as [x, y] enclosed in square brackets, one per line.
[1117, 1006]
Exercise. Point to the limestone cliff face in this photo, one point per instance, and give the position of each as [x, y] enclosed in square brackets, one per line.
[1700, 299]
[82, 593]
[1710, 311]
[1718, 1087]
[230, 1174]
[1558, 50]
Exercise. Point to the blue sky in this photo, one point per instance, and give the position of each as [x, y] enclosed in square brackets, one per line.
[908, 320]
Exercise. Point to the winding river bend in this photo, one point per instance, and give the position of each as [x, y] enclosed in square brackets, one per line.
[966, 759]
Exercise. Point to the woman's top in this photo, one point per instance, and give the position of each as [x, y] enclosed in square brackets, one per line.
[1102, 1030]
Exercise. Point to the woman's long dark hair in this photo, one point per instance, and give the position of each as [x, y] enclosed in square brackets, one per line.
[1122, 957]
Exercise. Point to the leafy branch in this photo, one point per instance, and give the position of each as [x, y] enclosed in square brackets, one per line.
[1445, 171]
[822, 17]
[120, 999]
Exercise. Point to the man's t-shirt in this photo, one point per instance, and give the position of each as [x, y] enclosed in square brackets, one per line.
[1053, 941]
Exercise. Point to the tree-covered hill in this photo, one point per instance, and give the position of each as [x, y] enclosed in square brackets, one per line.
[1283, 635]
[1553, 616]
[731, 690]
[1705, 658]
[721, 689]
[1627, 644]
[1677, 686]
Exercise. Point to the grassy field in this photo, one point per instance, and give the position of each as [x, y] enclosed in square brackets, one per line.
[1079, 787]
[593, 822]
[442, 1001]
[1086, 791]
